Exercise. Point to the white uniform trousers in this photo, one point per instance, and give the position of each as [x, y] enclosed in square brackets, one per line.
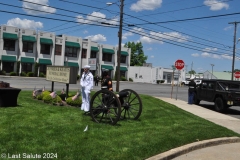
[85, 99]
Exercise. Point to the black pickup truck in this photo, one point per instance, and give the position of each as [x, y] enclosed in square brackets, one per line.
[224, 93]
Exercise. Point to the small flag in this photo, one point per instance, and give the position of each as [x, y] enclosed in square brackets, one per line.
[43, 89]
[53, 94]
[85, 129]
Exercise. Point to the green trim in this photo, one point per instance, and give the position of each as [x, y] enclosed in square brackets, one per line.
[125, 53]
[95, 49]
[72, 44]
[27, 60]
[71, 64]
[109, 51]
[6, 58]
[107, 67]
[46, 41]
[10, 36]
[28, 38]
[45, 61]
[123, 69]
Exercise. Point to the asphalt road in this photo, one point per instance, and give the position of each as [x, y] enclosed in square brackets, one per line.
[157, 90]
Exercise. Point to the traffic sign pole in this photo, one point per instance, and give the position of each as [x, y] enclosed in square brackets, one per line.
[179, 64]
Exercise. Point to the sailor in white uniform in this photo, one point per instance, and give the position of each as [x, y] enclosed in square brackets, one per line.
[86, 83]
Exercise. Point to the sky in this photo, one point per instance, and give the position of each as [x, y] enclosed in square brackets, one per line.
[199, 32]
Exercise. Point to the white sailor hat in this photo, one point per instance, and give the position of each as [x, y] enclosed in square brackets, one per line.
[86, 66]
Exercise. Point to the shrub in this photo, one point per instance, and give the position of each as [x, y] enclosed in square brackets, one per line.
[162, 81]
[57, 100]
[41, 74]
[123, 78]
[78, 76]
[30, 74]
[23, 74]
[47, 99]
[40, 97]
[2, 73]
[45, 93]
[130, 79]
[13, 74]
[77, 102]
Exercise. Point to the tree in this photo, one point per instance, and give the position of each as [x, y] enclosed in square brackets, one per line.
[137, 54]
[192, 72]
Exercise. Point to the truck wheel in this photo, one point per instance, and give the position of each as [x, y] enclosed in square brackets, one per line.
[219, 105]
[195, 99]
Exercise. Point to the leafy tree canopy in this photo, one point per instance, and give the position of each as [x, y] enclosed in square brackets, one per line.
[137, 54]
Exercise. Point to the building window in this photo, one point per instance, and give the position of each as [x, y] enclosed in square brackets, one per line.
[84, 53]
[122, 73]
[93, 54]
[107, 57]
[27, 47]
[8, 66]
[123, 59]
[43, 68]
[164, 76]
[26, 67]
[136, 75]
[45, 49]
[58, 50]
[9, 45]
[71, 51]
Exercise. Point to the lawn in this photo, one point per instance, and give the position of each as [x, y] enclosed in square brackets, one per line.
[37, 128]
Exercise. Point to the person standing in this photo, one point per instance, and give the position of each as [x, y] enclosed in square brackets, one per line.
[106, 81]
[86, 83]
[191, 89]
[97, 80]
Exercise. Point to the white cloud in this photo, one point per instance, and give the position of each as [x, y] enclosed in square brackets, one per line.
[216, 4]
[195, 55]
[38, 7]
[97, 38]
[24, 23]
[146, 5]
[125, 35]
[96, 17]
[158, 37]
[85, 32]
[149, 49]
[152, 56]
[228, 28]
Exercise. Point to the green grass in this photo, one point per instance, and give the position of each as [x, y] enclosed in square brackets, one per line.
[37, 128]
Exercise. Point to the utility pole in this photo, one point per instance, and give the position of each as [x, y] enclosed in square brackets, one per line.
[234, 45]
[191, 70]
[119, 46]
[212, 70]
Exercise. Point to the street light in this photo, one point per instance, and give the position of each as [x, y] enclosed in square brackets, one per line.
[212, 70]
[119, 43]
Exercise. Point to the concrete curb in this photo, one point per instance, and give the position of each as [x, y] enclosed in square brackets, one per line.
[193, 146]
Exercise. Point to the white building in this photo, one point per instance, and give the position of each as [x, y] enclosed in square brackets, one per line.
[21, 49]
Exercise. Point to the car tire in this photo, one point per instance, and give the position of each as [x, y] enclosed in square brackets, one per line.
[195, 99]
[183, 84]
[219, 105]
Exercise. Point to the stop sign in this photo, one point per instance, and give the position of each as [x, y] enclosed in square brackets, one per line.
[237, 74]
[179, 64]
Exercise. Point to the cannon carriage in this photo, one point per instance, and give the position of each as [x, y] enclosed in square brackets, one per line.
[108, 107]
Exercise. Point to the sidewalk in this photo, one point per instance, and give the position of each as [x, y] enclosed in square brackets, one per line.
[219, 148]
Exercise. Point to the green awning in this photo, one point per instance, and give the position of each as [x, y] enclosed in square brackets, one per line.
[123, 69]
[124, 53]
[95, 49]
[10, 36]
[46, 41]
[45, 61]
[72, 44]
[28, 38]
[109, 51]
[27, 60]
[107, 67]
[71, 64]
[6, 58]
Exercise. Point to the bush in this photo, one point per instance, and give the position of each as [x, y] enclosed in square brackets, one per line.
[23, 74]
[30, 74]
[45, 93]
[41, 74]
[160, 81]
[78, 76]
[123, 78]
[77, 102]
[130, 79]
[40, 97]
[57, 100]
[47, 99]
[13, 74]
[2, 73]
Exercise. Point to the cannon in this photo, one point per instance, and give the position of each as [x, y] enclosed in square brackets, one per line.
[108, 107]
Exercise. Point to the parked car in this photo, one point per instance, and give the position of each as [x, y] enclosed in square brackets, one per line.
[197, 81]
[224, 93]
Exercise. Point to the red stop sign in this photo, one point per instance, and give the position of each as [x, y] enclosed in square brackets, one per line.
[179, 64]
[237, 74]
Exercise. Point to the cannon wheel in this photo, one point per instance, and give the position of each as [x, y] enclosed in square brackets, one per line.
[105, 107]
[132, 107]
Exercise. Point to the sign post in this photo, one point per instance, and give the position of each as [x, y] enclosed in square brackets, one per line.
[179, 64]
[237, 74]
